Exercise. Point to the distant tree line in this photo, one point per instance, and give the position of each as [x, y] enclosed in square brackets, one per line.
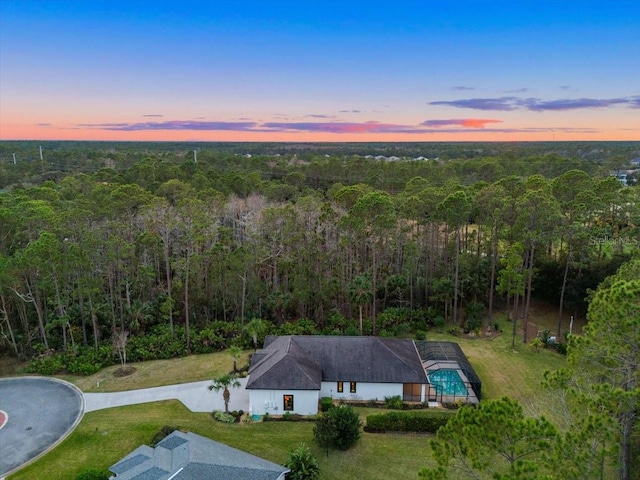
[193, 251]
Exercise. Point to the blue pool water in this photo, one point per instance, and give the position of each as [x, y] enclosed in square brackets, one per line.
[448, 382]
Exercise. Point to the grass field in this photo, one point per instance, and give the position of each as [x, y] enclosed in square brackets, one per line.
[157, 373]
[103, 437]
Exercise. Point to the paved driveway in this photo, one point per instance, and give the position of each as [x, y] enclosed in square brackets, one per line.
[41, 412]
[196, 397]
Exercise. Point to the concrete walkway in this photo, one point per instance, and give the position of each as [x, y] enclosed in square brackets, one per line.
[195, 396]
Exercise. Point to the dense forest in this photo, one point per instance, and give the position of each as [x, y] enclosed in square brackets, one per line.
[177, 248]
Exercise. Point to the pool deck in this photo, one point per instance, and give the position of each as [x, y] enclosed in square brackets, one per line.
[470, 397]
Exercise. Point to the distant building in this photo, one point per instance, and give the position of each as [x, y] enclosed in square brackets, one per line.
[621, 176]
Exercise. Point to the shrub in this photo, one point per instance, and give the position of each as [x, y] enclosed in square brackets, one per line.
[86, 361]
[439, 322]
[407, 422]
[394, 402]
[474, 314]
[223, 417]
[237, 414]
[326, 403]
[536, 343]
[351, 331]
[561, 348]
[302, 464]
[79, 361]
[92, 474]
[339, 428]
[207, 341]
[421, 335]
[158, 344]
[162, 433]
[546, 334]
[46, 365]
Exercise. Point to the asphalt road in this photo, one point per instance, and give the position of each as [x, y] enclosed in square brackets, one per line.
[42, 412]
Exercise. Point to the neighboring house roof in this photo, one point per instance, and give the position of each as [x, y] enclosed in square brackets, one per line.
[182, 456]
[300, 362]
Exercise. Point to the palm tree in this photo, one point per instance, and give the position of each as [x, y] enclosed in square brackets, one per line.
[360, 293]
[255, 328]
[140, 314]
[224, 382]
[303, 464]
[235, 353]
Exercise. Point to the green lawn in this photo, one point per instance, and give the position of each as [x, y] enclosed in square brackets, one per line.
[157, 373]
[103, 437]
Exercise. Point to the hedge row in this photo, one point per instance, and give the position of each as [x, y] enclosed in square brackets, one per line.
[407, 421]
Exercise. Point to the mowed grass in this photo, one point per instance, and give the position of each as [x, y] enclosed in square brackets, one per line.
[156, 373]
[105, 436]
[503, 370]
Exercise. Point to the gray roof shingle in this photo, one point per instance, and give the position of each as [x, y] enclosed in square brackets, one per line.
[292, 362]
[204, 458]
[135, 458]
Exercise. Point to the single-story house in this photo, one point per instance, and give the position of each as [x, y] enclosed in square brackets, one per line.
[291, 373]
[187, 456]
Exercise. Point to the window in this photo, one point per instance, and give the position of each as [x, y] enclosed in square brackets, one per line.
[352, 387]
[287, 401]
[340, 387]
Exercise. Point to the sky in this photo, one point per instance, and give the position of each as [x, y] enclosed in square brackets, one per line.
[314, 71]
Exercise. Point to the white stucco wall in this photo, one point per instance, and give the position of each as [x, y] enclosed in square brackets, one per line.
[364, 391]
[305, 402]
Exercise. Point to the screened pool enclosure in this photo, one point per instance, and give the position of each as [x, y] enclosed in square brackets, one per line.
[451, 376]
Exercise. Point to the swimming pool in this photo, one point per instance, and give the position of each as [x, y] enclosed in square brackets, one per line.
[448, 382]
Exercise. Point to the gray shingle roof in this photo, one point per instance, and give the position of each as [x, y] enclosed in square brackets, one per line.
[284, 365]
[172, 441]
[135, 458]
[201, 471]
[203, 458]
[289, 362]
[154, 473]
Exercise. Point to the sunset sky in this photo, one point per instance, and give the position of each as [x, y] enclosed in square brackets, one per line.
[261, 70]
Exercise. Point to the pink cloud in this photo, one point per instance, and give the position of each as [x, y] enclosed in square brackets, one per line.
[463, 122]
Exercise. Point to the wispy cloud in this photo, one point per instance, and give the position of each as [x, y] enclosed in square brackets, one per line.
[635, 101]
[462, 122]
[517, 90]
[566, 87]
[536, 104]
[501, 103]
[349, 111]
[462, 88]
[172, 125]
[318, 115]
[341, 127]
[43, 124]
[453, 125]
[152, 115]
